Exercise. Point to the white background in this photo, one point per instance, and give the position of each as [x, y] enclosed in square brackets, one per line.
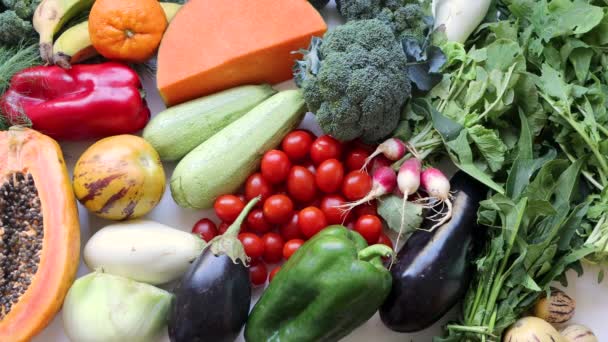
[591, 297]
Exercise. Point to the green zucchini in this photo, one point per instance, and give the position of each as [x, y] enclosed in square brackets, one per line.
[179, 129]
[221, 164]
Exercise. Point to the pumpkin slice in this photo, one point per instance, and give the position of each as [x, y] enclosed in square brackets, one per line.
[212, 45]
[39, 233]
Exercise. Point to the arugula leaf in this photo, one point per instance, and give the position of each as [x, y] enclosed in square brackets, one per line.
[490, 146]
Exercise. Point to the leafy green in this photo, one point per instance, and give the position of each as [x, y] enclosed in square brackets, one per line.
[391, 210]
[531, 245]
[545, 68]
[14, 59]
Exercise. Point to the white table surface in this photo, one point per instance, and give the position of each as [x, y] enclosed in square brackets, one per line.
[591, 297]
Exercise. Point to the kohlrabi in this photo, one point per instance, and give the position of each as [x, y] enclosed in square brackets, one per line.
[100, 307]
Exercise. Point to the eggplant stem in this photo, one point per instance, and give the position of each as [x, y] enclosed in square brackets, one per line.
[235, 227]
[228, 243]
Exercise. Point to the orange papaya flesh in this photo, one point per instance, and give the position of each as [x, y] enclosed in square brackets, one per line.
[39, 233]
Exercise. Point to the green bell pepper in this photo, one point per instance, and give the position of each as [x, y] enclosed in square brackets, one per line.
[330, 286]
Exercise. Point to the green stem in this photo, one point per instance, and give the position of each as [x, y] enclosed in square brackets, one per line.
[586, 174]
[374, 254]
[427, 143]
[500, 276]
[443, 103]
[499, 96]
[464, 328]
[603, 129]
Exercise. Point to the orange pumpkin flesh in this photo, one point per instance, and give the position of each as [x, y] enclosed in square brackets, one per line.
[27, 152]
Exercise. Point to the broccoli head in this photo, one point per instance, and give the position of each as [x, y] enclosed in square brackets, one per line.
[13, 29]
[23, 8]
[407, 18]
[355, 80]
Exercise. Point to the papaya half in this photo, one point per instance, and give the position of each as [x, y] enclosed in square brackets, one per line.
[39, 233]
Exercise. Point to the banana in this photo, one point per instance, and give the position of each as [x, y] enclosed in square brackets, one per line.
[74, 45]
[50, 16]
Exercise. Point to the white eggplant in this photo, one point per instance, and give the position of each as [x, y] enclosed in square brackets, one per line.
[141, 250]
[459, 17]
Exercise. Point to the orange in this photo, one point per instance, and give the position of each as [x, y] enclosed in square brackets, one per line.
[128, 30]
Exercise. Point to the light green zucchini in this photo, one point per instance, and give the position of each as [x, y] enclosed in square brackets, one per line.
[179, 129]
[221, 164]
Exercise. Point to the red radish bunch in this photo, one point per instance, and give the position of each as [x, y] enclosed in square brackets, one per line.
[303, 186]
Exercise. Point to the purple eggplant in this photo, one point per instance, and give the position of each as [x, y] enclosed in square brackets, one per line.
[212, 300]
[433, 269]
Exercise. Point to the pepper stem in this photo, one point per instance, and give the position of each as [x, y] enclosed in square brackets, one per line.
[228, 243]
[374, 253]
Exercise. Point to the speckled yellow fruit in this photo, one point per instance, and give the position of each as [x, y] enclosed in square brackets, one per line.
[119, 178]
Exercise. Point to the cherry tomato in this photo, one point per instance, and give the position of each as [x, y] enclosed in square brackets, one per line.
[242, 197]
[297, 144]
[273, 247]
[258, 273]
[385, 240]
[205, 228]
[291, 229]
[257, 222]
[356, 185]
[228, 207]
[278, 209]
[310, 166]
[255, 186]
[274, 273]
[311, 221]
[369, 208]
[275, 166]
[223, 227]
[330, 207]
[254, 246]
[370, 227]
[301, 184]
[330, 174]
[355, 158]
[291, 247]
[325, 147]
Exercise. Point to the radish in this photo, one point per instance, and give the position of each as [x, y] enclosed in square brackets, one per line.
[408, 181]
[378, 162]
[393, 149]
[384, 181]
[437, 186]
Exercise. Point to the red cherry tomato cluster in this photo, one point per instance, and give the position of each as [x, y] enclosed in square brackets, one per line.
[302, 187]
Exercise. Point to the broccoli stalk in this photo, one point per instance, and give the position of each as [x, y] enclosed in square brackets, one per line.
[355, 80]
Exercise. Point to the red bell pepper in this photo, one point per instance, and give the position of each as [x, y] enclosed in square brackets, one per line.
[86, 101]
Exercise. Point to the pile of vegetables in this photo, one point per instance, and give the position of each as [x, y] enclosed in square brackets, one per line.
[512, 94]
[304, 187]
